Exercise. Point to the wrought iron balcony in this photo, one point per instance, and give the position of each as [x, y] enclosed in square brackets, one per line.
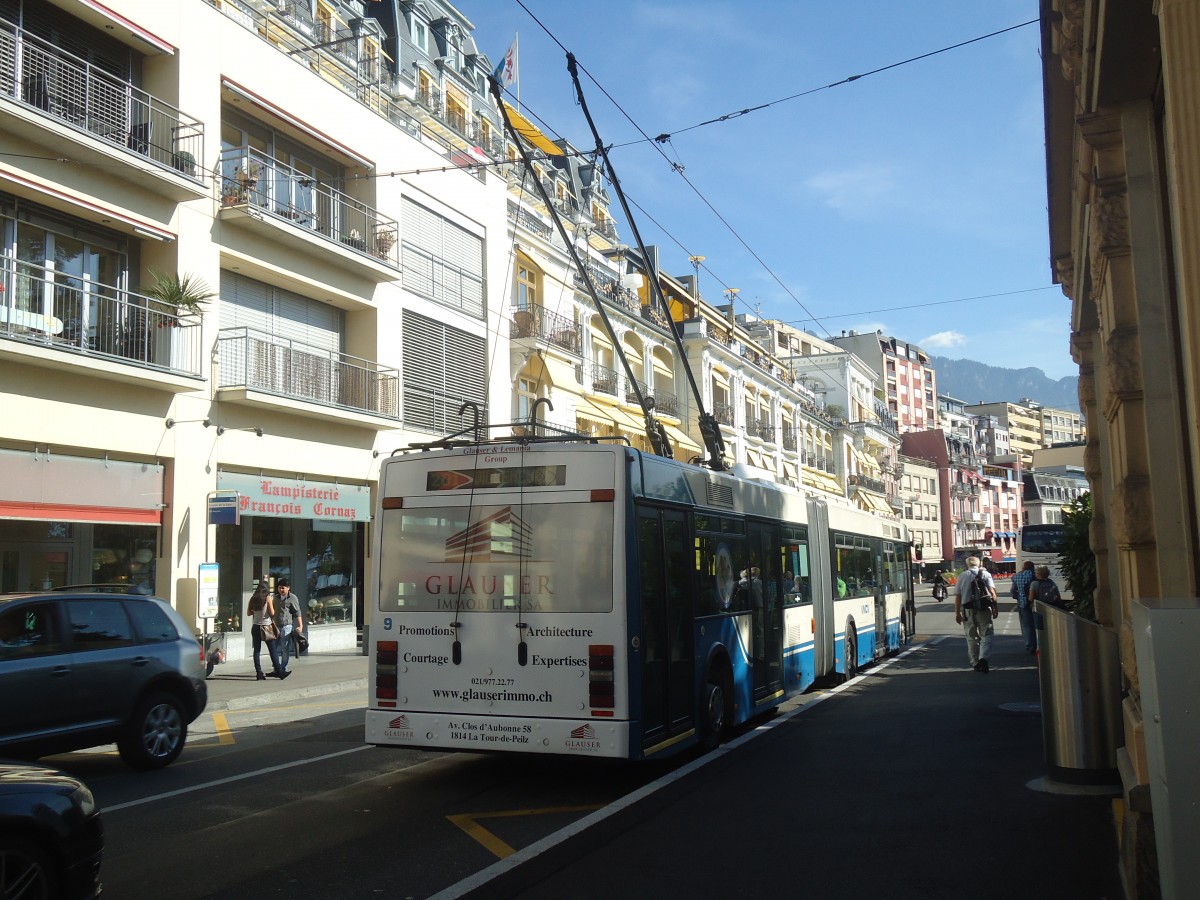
[539, 322]
[760, 428]
[870, 484]
[529, 221]
[666, 403]
[604, 379]
[65, 312]
[69, 89]
[251, 178]
[258, 361]
[723, 413]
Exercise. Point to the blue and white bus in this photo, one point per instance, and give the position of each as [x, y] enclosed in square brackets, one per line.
[574, 597]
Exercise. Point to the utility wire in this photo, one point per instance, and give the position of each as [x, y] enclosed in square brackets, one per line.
[666, 136]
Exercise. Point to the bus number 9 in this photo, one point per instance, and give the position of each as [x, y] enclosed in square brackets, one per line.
[387, 624]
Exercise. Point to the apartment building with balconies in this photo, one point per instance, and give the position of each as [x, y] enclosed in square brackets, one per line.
[906, 377]
[918, 484]
[278, 155]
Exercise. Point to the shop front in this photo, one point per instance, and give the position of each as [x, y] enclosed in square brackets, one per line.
[310, 532]
[67, 520]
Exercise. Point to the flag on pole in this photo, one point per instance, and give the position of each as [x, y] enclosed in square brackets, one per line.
[506, 72]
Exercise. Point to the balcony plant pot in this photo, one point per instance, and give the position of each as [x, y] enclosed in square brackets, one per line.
[177, 295]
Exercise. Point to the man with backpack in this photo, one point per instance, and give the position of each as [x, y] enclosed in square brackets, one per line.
[975, 608]
[1044, 590]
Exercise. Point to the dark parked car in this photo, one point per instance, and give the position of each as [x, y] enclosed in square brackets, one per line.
[51, 836]
[82, 669]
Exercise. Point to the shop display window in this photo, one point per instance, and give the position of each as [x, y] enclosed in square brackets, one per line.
[230, 589]
[330, 567]
[125, 555]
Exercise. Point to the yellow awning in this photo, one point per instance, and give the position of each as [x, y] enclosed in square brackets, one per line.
[610, 415]
[559, 374]
[681, 441]
[789, 470]
[532, 133]
[820, 480]
[875, 503]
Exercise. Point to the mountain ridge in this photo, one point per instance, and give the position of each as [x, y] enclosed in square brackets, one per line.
[975, 382]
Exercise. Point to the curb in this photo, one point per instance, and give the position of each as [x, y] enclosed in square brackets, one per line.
[313, 690]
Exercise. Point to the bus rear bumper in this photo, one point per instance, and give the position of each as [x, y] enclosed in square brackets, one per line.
[513, 734]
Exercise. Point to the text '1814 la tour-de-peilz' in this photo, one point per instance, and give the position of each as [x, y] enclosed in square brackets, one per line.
[578, 597]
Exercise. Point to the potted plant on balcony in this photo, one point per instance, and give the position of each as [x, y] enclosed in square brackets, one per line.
[384, 241]
[175, 295]
[246, 178]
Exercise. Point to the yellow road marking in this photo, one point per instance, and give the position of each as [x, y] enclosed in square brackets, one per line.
[467, 822]
[224, 733]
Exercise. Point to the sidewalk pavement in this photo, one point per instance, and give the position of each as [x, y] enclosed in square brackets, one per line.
[923, 779]
[232, 685]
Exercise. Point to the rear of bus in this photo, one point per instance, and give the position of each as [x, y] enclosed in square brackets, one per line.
[1041, 545]
[494, 624]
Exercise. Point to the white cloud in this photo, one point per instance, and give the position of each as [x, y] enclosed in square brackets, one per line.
[943, 340]
[857, 191]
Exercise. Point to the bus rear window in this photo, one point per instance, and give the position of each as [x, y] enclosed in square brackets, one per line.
[535, 557]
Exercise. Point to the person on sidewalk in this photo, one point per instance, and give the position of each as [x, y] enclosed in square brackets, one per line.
[262, 613]
[1044, 590]
[975, 609]
[1020, 592]
[288, 620]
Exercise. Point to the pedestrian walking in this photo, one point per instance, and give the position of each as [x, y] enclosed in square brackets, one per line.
[262, 630]
[1044, 590]
[1020, 593]
[289, 621]
[975, 608]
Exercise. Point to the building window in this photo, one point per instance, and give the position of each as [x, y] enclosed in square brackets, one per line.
[443, 369]
[442, 261]
[527, 291]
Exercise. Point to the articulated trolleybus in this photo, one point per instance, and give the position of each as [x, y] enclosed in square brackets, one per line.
[583, 598]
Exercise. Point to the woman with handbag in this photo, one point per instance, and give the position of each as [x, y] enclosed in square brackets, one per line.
[262, 613]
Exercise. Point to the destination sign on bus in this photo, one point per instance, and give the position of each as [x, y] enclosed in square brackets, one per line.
[496, 479]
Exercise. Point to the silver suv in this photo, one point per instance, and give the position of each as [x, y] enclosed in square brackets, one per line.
[83, 669]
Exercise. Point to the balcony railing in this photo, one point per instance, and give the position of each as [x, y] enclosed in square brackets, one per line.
[604, 379]
[666, 403]
[723, 413]
[527, 220]
[259, 361]
[539, 322]
[250, 178]
[72, 90]
[870, 484]
[760, 428]
[70, 313]
[789, 438]
[631, 394]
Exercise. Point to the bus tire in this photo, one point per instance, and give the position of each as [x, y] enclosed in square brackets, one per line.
[850, 647]
[714, 715]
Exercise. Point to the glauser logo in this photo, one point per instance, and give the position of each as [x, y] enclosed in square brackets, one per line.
[583, 738]
[398, 728]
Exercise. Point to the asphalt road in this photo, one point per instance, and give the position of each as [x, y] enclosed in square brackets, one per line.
[284, 799]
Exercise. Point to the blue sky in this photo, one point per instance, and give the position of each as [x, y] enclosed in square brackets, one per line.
[911, 200]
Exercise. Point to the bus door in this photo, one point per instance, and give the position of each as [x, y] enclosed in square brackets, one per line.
[819, 556]
[883, 576]
[766, 603]
[665, 572]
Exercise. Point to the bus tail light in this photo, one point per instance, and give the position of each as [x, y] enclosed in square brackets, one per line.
[386, 686]
[603, 495]
[601, 682]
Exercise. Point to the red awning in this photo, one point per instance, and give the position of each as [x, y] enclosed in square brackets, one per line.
[56, 512]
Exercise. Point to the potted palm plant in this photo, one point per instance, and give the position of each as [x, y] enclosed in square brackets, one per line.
[175, 295]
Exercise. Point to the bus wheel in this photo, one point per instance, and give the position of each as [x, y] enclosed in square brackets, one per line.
[714, 722]
[903, 634]
[851, 650]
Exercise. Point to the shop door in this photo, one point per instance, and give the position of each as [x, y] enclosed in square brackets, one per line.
[270, 566]
[665, 579]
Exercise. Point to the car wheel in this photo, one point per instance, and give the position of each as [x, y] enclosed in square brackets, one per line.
[26, 870]
[155, 735]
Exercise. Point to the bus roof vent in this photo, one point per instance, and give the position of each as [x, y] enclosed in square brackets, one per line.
[720, 495]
